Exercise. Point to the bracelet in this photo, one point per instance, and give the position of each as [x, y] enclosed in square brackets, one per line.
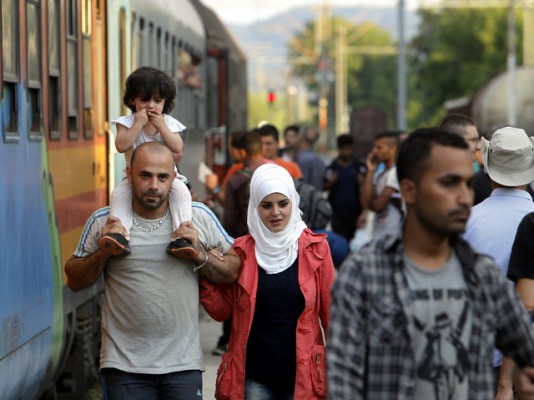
[197, 267]
[216, 191]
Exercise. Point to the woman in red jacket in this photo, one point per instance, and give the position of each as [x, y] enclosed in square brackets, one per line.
[280, 304]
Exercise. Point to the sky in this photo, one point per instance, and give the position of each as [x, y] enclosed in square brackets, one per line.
[247, 11]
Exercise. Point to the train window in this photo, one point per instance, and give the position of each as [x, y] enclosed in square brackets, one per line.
[54, 71]
[72, 69]
[33, 26]
[172, 59]
[86, 17]
[10, 69]
[87, 69]
[151, 51]
[10, 59]
[159, 61]
[140, 47]
[167, 65]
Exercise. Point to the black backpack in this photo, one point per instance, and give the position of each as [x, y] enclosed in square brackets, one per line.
[316, 209]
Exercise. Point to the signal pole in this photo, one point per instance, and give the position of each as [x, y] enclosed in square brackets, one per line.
[511, 64]
[401, 71]
[341, 82]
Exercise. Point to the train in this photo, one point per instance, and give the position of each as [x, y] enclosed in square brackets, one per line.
[489, 105]
[63, 67]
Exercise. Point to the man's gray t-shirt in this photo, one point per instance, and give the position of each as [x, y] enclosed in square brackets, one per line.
[151, 303]
[440, 321]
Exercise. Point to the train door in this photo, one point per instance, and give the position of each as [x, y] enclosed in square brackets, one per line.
[77, 151]
[217, 155]
[118, 43]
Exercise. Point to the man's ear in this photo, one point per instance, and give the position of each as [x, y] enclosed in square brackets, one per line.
[408, 191]
[129, 174]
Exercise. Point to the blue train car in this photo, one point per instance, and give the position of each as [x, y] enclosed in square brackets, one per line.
[63, 66]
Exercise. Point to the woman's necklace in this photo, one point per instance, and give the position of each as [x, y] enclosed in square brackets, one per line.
[154, 227]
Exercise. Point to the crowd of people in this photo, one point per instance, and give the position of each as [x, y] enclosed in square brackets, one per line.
[433, 302]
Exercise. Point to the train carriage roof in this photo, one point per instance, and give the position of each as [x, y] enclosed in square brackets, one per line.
[179, 14]
[217, 34]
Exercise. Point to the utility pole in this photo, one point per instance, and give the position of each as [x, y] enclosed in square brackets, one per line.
[324, 72]
[528, 33]
[401, 70]
[511, 64]
[341, 81]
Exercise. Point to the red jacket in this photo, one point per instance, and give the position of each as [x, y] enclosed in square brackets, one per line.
[315, 275]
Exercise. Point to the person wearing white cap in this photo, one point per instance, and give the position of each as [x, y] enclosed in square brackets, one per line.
[280, 303]
[491, 228]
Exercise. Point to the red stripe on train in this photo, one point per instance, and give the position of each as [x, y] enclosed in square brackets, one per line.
[74, 211]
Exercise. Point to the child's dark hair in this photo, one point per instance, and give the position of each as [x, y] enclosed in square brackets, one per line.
[146, 83]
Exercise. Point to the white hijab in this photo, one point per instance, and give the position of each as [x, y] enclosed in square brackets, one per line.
[275, 252]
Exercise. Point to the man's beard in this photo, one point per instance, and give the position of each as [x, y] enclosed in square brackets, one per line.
[151, 203]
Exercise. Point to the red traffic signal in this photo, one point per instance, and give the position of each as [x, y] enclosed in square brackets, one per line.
[271, 97]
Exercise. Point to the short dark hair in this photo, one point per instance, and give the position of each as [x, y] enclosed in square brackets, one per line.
[452, 121]
[236, 139]
[415, 150]
[146, 83]
[294, 128]
[304, 133]
[269, 130]
[344, 140]
[252, 142]
[394, 135]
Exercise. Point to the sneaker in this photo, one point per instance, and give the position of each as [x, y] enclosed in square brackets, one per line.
[115, 244]
[220, 350]
[181, 248]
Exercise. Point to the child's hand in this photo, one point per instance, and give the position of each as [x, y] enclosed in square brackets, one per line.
[141, 118]
[157, 120]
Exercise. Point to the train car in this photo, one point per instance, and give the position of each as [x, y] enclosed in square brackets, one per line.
[489, 105]
[63, 67]
[226, 83]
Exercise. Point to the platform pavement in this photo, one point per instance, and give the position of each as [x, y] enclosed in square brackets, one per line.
[210, 331]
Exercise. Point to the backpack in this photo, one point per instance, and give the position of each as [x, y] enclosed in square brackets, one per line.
[316, 209]
[242, 193]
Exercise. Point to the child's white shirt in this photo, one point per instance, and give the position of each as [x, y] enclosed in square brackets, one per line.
[128, 120]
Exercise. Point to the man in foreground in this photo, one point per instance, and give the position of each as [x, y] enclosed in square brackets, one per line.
[419, 318]
[150, 329]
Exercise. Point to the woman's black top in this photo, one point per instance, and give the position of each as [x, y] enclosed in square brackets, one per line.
[271, 348]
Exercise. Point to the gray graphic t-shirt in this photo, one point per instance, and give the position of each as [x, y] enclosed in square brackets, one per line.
[440, 326]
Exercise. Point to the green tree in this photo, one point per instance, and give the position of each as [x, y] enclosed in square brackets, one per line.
[455, 52]
[371, 78]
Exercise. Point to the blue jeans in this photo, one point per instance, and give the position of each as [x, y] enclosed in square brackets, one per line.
[259, 391]
[120, 385]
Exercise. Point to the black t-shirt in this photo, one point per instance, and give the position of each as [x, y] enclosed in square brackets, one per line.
[522, 257]
[271, 347]
[345, 193]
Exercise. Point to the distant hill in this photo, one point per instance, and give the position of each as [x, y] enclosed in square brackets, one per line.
[265, 43]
